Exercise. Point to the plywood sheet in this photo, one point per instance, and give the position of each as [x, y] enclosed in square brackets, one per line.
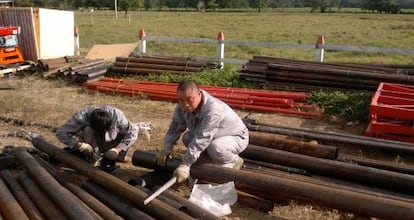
[109, 52]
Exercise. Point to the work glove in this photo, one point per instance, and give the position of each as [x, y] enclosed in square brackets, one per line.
[85, 148]
[161, 157]
[111, 154]
[182, 173]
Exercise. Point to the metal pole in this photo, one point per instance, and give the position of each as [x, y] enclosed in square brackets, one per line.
[220, 49]
[116, 10]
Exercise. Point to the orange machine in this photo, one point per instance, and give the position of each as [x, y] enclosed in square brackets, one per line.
[9, 48]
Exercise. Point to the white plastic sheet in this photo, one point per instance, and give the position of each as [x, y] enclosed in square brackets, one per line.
[215, 198]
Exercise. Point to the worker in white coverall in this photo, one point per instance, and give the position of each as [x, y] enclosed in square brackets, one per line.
[214, 131]
[97, 130]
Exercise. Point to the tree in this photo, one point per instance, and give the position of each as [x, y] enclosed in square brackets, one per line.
[211, 4]
[125, 5]
[259, 4]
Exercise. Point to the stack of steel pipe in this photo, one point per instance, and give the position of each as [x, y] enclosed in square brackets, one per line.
[307, 75]
[340, 139]
[111, 185]
[85, 71]
[144, 64]
[239, 98]
[363, 202]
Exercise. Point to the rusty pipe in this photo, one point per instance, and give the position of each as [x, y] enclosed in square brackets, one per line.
[273, 141]
[96, 205]
[9, 206]
[21, 196]
[59, 194]
[48, 208]
[400, 168]
[361, 174]
[362, 204]
[156, 208]
[276, 167]
[254, 202]
[354, 140]
[121, 206]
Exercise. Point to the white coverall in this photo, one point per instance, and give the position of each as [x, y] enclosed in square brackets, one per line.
[213, 127]
[122, 132]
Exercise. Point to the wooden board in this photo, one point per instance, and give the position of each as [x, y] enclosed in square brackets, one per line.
[109, 52]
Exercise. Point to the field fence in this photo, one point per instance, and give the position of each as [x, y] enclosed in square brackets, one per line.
[320, 47]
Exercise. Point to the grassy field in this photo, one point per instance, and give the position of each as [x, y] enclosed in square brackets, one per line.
[357, 29]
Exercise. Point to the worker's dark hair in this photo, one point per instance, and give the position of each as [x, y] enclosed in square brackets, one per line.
[187, 84]
[100, 121]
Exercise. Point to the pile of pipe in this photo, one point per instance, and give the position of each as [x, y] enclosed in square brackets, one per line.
[137, 64]
[286, 74]
[239, 98]
[38, 189]
[281, 169]
[75, 70]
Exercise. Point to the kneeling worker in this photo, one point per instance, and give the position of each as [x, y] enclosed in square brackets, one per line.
[99, 130]
[214, 132]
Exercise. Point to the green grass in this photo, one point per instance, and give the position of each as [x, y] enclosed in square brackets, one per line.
[363, 29]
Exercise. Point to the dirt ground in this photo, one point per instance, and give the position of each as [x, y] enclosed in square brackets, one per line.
[52, 102]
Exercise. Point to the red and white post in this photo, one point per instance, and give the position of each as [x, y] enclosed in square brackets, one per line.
[142, 41]
[76, 40]
[319, 48]
[220, 49]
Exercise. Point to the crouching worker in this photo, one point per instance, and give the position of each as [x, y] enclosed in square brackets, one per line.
[99, 133]
[215, 133]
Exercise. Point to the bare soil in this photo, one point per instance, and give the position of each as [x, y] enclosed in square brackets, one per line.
[52, 102]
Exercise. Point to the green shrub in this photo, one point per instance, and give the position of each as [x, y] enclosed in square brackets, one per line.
[352, 106]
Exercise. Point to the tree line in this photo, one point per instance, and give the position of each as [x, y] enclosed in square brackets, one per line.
[374, 6]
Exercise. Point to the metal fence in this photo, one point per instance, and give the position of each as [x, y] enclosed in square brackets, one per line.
[320, 47]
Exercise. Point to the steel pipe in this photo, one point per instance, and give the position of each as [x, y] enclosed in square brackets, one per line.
[400, 168]
[353, 140]
[121, 206]
[156, 208]
[9, 207]
[361, 204]
[371, 176]
[96, 205]
[272, 141]
[48, 208]
[59, 194]
[21, 196]
[254, 202]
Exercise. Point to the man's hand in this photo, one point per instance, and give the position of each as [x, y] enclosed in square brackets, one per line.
[85, 147]
[182, 172]
[112, 153]
[161, 157]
